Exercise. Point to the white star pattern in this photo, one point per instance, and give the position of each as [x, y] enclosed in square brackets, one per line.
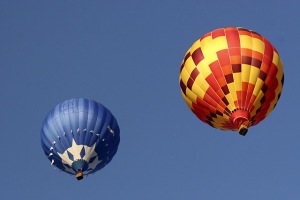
[75, 150]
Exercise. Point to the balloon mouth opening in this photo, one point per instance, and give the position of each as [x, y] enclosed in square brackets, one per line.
[241, 120]
[79, 166]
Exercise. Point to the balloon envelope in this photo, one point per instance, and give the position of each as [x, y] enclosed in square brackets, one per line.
[80, 136]
[231, 78]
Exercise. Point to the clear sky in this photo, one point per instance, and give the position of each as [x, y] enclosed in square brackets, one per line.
[127, 55]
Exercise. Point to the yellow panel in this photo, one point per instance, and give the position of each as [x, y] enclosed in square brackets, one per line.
[184, 76]
[206, 42]
[275, 58]
[208, 50]
[198, 91]
[204, 68]
[258, 85]
[220, 43]
[246, 41]
[254, 72]
[209, 54]
[220, 121]
[258, 45]
[245, 72]
[195, 46]
[232, 92]
[231, 105]
[280, 69]
[279, 88]
[189, 65]
[259, 96]
[202, 83]
[253, 113]
[226, 117]
[237, 81]
[277, 61]
[191, 95]
[257, 103]
[277, 92]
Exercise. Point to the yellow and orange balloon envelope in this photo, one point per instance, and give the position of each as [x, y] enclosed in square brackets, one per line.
[231, 78]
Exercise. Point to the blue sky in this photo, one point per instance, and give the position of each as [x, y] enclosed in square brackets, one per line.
[127, 55]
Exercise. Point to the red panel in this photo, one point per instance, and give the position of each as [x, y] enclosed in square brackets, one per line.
[220, 93]
[268, 50]
[194, 74]
[266, 63]
[235, 51]
[256, 35]
[229, 125]
[212, 82]
[197, 56]
[239, 97]
[218, 33]
[271, 75]
[232, 37]
[183, 87]
[223, 57]
[257, 55]
[244, 93]
[190, 83]
[252, 99]
[202, 103]
[236, 104]
[211, 98]
[204, 110]
[227, 70]
[222, 81]
[246, 52]
[243, 31]
[270, 94]
[249, 94]
[216, 69]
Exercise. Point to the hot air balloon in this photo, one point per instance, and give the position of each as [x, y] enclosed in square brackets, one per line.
[231, 78]
[80, 136]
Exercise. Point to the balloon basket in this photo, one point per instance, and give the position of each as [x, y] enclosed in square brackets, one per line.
[79, 175]
[243, 130]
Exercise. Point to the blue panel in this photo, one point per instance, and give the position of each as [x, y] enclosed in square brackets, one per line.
[92, 159]
[82, 152]
[83, 105]
[91, 121]
[64, 119]
[73, 115]
[97, 128]
[71, 157]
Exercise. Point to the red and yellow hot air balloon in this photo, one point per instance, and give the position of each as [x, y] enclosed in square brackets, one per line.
[231, 78]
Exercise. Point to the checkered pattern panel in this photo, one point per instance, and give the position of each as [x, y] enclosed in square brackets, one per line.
[230, 69]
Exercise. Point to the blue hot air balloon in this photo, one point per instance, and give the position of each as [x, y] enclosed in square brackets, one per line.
[80, 136]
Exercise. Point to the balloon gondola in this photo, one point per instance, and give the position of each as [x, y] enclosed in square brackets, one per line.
[231, 78]
[80, 136]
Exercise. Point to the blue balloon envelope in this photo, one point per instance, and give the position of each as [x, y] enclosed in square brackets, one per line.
[80, 136]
